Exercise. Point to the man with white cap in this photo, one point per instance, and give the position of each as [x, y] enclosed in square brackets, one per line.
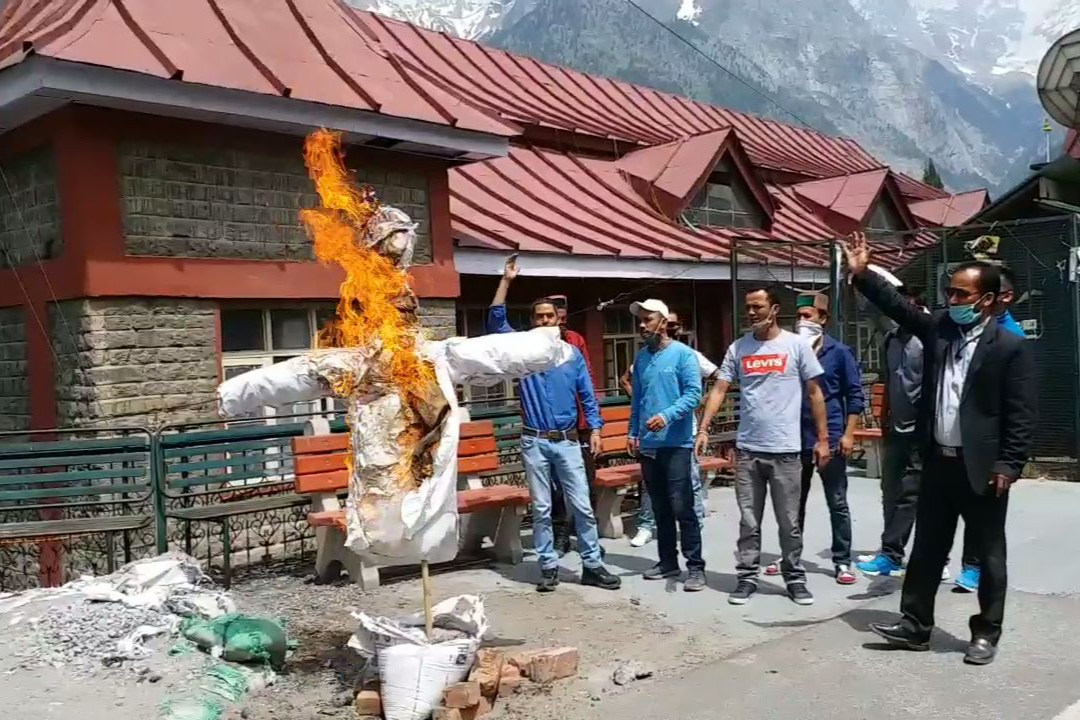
[666, 392]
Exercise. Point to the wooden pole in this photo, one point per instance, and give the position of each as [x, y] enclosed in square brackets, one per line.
[429, 617]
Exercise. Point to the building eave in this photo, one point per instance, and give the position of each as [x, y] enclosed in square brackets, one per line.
[39, 85]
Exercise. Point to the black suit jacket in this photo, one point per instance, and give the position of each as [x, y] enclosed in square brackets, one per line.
[997, 407]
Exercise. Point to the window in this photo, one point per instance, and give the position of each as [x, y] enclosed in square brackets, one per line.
[725, 201]
[885, 218]
[472, 322]
[621, 343]
[253, 338]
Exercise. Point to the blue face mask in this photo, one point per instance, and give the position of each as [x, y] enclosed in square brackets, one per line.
[964, 314]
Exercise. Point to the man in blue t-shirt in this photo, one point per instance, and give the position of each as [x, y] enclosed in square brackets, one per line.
[666, 392]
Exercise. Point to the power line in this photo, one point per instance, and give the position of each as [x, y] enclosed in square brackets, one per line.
[756, 90]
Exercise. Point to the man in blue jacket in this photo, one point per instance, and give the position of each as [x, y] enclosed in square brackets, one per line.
[666, 392]
[549, 445]
[841, 384]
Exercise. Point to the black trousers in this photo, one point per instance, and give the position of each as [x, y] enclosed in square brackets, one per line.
[945, 496]
[835, 483]
[901, 476]
[564, 525]
[667, 478]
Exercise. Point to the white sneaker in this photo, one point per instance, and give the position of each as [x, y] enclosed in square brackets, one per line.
[643, 537]
[945, 573]
[867, 558]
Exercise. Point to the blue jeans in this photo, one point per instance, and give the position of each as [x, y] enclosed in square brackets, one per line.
[545, 460]
[646, 519]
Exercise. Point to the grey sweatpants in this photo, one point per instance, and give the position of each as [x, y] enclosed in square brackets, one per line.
[757, 475]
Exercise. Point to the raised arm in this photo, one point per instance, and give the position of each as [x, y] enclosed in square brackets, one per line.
[1018, 415]
[878, 291]
[496, 317]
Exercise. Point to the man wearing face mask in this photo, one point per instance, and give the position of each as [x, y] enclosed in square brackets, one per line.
[666, 392]
[773, 368]
[841, 384]
[646, 524]
[549, 445]
[976, 425]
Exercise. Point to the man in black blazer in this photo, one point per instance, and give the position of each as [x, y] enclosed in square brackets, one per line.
[976, 420]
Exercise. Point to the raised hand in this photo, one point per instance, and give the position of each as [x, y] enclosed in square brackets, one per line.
[857, 251]
[510, 269]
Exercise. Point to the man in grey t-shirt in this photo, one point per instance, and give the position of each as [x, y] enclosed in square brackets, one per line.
[772, 368]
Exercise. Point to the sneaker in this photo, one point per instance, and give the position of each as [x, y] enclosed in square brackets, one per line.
[601, 578]
[743, 592]
[945, 574]
[867, 558]
[657, 572]
[695, 581]
[549, 580]
[799, 594]
[772, 569]
[844, 576]
[643, 538]
[879, 565]
[968, 580]
[562, 544]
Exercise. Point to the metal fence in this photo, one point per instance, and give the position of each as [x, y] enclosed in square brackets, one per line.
[1042, 254]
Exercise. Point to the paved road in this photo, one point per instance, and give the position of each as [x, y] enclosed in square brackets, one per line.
[821, 663]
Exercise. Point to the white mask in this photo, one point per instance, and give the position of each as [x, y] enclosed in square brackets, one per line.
[809, 330]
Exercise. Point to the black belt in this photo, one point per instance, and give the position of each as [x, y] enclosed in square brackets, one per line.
[552, 435]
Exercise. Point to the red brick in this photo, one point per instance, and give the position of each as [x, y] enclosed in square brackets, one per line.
[510, 681]
[489, 667]
[553, 664]
[521, 660]
[462, 695]
[368, 702]
[444, 713]
[482, 708]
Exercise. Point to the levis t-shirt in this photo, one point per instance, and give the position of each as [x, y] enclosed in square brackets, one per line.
[771, 375]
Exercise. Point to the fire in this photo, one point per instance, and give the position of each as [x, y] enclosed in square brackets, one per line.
[369, 312]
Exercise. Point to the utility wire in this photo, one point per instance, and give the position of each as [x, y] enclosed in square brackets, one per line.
[733, 75]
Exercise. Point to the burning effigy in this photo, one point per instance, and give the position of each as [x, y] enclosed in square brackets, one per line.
[399, 386]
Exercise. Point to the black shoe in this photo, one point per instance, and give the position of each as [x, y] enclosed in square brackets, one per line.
[980, 652]
[799, 594]
[601, 578]
[743, 592]
[562, 545]
[657, 572]
[695, 581]
[549, 580]
[901, 636]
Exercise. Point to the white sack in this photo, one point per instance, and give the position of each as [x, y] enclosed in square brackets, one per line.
[490, 359]
[413, 672]
[280, 384]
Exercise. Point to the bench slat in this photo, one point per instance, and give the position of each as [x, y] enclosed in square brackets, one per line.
[612, 429]
[310, 464]
[615, 414]
[477, 464]
[217, 479]
[193, 438]
[479, 428]
[75, 476]
[312, 444]
[223, 448]
[322, 482]
[240, 507]
[79, 526]
[74, 491]
[60, 461]
[63, 448]
[468, 501]
[476, 446]
[613, 444]
[235, 460]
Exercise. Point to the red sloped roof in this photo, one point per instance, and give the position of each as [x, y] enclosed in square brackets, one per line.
[313, 50]
[915, 189]
[530, 92]
[851, 196]
[538, 200]
[1072, 144]
[950, 211]
[678, 168]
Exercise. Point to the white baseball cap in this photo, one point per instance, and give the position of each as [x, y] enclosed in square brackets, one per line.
[649, 306]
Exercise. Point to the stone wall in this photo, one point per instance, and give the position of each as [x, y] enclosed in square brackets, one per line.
[14, 377]
[438, 318]
[30, 224]
[187, 200]
[126, 358]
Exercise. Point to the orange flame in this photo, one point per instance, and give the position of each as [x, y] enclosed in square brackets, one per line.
[368, 313]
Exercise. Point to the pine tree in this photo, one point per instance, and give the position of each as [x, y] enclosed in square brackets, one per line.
[931, 177]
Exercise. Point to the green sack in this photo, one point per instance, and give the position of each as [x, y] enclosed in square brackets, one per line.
[242, 638]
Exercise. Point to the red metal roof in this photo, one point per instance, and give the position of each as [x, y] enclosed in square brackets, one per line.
[1072, 144]
[676, 169]
[951, 210]
[851, 196]
[915, 189]
[312, 50]
[530, 92]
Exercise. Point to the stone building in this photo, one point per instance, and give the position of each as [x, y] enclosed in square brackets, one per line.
[149, 226]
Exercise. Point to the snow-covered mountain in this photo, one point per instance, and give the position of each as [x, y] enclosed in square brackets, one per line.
[950, 80]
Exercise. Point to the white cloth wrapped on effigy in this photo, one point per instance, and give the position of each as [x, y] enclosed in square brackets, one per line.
[385, 523]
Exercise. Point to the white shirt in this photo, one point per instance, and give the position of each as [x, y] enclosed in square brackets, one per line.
[951, 388]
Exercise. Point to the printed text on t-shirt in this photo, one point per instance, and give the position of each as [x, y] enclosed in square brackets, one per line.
[764, 364]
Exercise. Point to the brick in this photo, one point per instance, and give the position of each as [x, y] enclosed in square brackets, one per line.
[445, 713]
[489, 667]
[553, 664]
[368, 702]
[510, 681]
[462, 695]
[522, 660]
[482, 708]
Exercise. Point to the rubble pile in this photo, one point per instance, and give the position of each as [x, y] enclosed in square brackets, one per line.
[496, 674]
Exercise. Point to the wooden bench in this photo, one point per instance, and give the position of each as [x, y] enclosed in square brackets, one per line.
[321, 473]
[51, 489]
[614, 481]
[870, 437]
